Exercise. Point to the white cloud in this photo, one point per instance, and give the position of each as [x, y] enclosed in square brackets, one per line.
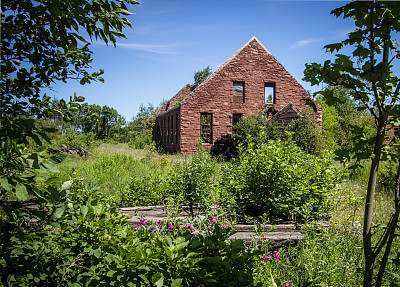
[341, 35]
[305, 42]
[151, 48]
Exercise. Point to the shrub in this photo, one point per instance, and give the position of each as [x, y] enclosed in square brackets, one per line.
[93, 245]
[74, 139]
[279, 179]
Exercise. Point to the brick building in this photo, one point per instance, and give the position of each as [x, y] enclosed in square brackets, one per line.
[250, 81]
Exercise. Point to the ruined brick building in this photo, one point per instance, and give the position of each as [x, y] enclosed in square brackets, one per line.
[250, 81]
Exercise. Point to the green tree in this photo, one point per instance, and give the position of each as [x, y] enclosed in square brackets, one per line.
[139, 131]
[200, 76]
[43, 42]
[369, 77]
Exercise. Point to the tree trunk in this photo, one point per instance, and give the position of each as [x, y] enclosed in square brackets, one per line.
[391, 228]
[369, 204]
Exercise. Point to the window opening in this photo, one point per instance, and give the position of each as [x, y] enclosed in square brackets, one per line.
[206, 128]
[177, 128]
[238, 92]
[172, 128]
[236, 118]
[269, 93]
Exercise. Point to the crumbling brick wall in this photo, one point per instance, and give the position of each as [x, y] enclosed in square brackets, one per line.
[253, 65]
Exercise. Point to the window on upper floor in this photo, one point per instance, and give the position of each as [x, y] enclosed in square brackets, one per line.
[238, 92]
[206, 127]
[269, 93]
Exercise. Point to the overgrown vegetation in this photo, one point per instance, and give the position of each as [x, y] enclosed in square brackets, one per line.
[279, 179]
[64, 228]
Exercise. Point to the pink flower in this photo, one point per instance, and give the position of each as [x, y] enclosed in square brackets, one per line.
[265, 238]
[142, 221]
[266, 257]
[287, 284]
[52, 229]
[189, 226]
[194, 232]
[213, 219]
[171, 226]
[159, 222]
[276, 255]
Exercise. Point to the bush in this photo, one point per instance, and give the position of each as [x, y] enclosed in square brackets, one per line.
[93, 245]
[279, 179]
[303, 130]
[76, 140]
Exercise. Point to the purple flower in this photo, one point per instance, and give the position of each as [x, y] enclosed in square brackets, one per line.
[266, 257]
[142, 221]
[213, 219]
[189, 226]
[52, 229]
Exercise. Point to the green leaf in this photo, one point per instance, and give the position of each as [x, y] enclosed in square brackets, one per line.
[84, 210]
[21, 192]
[57, 158]
[111, 273]
[5, 184]
[66, 185]
[158, 279]
[144, 279]
[58, 212]
[176, 282]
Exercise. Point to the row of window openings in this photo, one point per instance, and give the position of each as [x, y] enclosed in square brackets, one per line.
[239, 92]
[206, 120]
[167, 129]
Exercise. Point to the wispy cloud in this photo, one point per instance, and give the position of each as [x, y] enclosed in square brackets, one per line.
[151, 48]
[304, 42]
[341, 35]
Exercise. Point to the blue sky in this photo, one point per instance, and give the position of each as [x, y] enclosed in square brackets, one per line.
[173, 39]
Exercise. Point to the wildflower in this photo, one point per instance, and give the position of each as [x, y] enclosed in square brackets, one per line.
[189, 226]
[287, 284]
[276, 255]
[194, 232]
[141, 221]
[171, 226]
[222, 226]
[265, 238]
[266, 257]
[213, 219]
[159, 222]
[52, 229]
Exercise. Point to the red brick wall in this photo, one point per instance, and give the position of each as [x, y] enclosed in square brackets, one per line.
[255, 66]
[175, 100]
[168, 130]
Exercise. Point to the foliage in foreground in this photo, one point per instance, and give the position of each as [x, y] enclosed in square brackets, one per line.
[278, 178]
[93, 245]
